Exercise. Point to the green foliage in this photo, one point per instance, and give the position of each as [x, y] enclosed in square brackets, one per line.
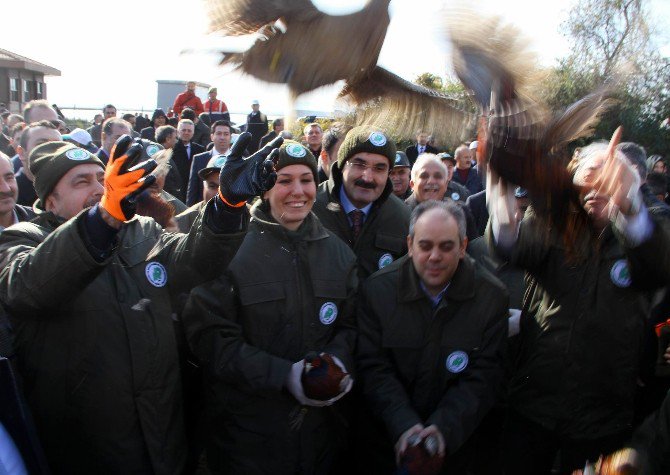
[612, 45]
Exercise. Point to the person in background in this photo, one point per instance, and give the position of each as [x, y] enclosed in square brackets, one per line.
[33, 135]
[221, 138]
[257, 125]
[400, 175]
[215, 108]
[95, 131]
[277, 128]
[187, 99]
[158, 118]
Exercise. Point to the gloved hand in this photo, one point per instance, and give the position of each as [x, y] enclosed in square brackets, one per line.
[244, 178]
[294, 386]
[125, 181]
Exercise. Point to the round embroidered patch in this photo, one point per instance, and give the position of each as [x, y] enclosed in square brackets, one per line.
[152, 150]
[455, 196]
[620, 274]
[328, 313]
[296, 151]
[377, 139]
[77, 154]
[220, 161]
[385, 260]
[457, 361]
[156, 274]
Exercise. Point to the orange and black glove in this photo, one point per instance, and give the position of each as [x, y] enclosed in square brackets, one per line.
[124, 180]
[244, 178]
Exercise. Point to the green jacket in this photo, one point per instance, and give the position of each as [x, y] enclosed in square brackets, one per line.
[272, 305]
[96, 340]
[582, 328]
[439, 366]
[383, 237]
[186, 218]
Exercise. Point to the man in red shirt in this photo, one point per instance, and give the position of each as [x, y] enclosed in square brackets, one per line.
[188, 99]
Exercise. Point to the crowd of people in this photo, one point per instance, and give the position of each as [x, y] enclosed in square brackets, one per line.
[164, 282]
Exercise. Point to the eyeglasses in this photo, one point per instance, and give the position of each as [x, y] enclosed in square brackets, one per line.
[360, 166]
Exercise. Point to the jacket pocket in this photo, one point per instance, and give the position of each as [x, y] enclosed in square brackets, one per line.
[388, 242]
[263, 314]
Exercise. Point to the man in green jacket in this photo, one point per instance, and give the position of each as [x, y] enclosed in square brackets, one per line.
[357, 203]
[430, 350]
[87, 285]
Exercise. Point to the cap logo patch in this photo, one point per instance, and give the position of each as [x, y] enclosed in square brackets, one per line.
[328, 313]
[385, 260]
[455, 196]
[77, 154]
[151, 150]
[620, 274]
[398, 158]
[457, 361]
[377, 139]
[295, 150]
[156, 274]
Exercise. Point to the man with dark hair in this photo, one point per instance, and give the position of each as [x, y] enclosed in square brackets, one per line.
[430, 352]
[132, 120]
[158, 118]
[221, 136]
[166, 136]
[357, 203]
[112, 129]
[422, 146]
[330, 145]
[277, 128]
[108, 112]
[35, 134]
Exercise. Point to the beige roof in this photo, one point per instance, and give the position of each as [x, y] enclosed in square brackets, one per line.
[13, 60]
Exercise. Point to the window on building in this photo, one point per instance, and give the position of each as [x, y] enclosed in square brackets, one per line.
[39, 90]
[14, 89]
[26, 90]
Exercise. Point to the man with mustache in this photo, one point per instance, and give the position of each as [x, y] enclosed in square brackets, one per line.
[357, 203]
[581, 331]
[429, 180]
[88, 285]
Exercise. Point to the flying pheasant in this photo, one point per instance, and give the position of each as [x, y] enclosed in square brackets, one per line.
[302, 47]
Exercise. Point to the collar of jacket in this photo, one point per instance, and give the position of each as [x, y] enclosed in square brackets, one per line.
[48, 219]
[461, 287]
[311, 228]
[335, 182]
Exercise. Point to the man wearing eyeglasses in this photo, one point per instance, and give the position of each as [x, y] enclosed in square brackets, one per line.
[357, 202]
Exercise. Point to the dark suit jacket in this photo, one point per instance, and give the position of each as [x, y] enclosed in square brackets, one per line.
[102, 155]
[183, 163]
[477, 205]
[148, 133]
[194, 192]
[27, 194]
[412, 152]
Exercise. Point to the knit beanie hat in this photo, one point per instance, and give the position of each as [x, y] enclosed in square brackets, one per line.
[293, 153]
[50, 161]
[366, 139]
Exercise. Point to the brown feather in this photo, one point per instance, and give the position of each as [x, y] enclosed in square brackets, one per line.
[401, 108]
[311, 52]
[243, 17]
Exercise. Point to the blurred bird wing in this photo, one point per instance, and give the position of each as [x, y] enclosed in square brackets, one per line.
[243, 17]
[401, 108]
[311, 55]
[491, 57]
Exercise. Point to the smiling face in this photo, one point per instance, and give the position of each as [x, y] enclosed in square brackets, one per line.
[293, 195]
[79, 188]
[364, 177]
[430, 182]
[436, 249]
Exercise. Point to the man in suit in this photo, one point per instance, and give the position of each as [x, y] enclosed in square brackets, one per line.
[182, 154]
[413, 151]
[277, 128]
[257, 126]
[221, 139]
[112, 129]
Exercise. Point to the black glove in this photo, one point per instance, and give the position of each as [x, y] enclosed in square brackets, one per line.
[244, 178]
[124, 180]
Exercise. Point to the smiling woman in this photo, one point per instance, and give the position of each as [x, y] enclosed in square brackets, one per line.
[288, 292]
